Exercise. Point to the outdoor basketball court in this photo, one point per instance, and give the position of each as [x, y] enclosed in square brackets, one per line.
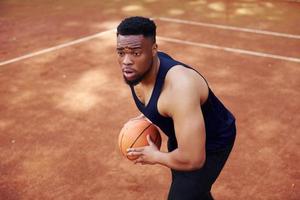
[63, 100]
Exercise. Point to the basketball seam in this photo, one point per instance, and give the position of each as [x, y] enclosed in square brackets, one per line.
[140, 135]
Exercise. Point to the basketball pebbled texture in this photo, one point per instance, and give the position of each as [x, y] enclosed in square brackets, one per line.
[134, 134]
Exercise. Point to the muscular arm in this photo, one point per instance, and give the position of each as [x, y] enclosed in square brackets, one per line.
[181, 101]
[184, 108]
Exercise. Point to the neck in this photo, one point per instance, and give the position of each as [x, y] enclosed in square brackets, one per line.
[149, 80]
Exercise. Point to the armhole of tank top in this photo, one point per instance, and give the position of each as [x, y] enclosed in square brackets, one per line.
[199, 74]
[209, 90]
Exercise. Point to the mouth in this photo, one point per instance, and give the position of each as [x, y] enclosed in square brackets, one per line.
[128, 73]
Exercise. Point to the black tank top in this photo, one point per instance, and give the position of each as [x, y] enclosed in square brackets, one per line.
[219, 122]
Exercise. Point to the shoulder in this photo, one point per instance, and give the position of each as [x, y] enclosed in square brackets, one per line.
[182, 86]
[185, 79]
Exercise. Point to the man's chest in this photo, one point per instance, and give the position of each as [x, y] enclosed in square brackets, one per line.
[160, 99]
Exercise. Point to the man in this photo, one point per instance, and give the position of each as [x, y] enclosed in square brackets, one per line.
[177, 99]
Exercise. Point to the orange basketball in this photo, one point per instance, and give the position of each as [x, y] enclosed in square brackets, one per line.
[134, 134]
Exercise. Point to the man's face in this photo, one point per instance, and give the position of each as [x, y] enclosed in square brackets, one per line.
[135, 57]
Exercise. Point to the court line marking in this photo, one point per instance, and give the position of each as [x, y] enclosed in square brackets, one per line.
[234, 50]
[84, 39]
[47, 50]
[233, 28]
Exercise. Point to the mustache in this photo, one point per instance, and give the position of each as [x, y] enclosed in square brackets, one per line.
[139, 78]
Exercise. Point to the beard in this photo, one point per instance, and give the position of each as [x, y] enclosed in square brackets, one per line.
[139, 77]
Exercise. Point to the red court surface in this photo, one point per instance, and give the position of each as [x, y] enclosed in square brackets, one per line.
[63, 100]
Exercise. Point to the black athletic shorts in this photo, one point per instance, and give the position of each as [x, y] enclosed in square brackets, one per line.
[196, 185]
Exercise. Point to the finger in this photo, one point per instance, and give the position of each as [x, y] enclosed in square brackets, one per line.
[148, 120]
[138, 149]
[134, 153]
[139, 160]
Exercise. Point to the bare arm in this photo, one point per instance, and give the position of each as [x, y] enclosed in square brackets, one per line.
[185, 110]
[183, 106]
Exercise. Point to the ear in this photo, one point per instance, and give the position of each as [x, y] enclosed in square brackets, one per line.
[154, 49]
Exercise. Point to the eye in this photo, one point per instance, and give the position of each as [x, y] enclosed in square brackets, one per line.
[136, 53]
[120, 53]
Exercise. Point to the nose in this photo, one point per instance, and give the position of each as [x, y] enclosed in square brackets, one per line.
[127, 60]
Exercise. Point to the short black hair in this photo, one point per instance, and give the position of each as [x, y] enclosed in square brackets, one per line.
[137, 26]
